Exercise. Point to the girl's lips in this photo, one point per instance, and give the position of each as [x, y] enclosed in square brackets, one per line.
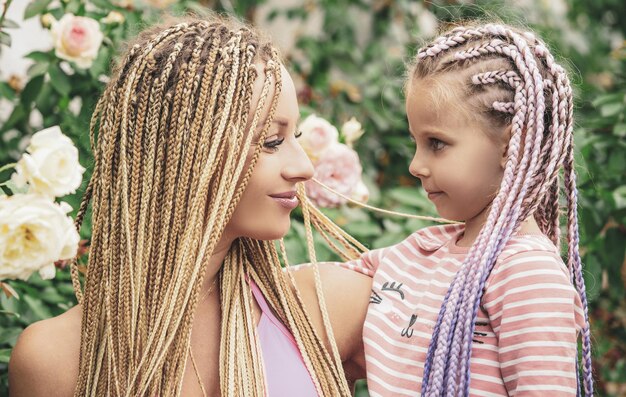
[287, 202]
[434, 195]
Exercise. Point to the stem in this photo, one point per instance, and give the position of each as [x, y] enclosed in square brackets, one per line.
[9, 313]
[4, 12]
[7, 166]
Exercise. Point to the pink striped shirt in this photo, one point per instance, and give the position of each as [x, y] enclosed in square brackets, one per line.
[527, 324]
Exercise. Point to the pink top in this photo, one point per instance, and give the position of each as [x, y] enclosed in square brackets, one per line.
[526, 328]
[285, 372]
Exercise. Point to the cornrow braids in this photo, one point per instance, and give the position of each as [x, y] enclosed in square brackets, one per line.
[511, 79]
[167, 136]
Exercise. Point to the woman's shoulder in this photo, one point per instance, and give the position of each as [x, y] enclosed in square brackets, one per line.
[45, 358]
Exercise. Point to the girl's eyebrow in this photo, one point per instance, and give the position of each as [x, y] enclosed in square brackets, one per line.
[430, 131]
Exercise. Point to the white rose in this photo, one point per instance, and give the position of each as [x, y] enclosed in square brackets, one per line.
[351, 131]
[50, 166]
[317, 136]
[114, 17]
[77, 39]
[47, 20]
[34, 233]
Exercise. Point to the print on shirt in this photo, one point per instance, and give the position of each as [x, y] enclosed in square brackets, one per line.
[408, 331]
[477, 334]
[375, 298]
[393, 287]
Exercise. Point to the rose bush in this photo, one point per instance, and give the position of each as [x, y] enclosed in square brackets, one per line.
[35, 232]
[340, 169]
[351, 131]
[50, 166]
[317, 136]
[77, 39]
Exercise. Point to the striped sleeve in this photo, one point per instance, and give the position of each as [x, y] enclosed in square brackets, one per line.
[535, 313]
[367, 263]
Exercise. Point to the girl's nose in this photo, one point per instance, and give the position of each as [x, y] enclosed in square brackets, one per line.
[418, 169]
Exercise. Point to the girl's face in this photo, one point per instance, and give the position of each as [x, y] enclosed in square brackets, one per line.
[459, 165]
[264, 210]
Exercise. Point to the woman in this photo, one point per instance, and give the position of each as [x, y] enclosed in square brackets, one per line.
[184, 294]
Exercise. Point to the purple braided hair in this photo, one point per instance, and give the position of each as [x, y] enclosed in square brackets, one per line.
[515, 77]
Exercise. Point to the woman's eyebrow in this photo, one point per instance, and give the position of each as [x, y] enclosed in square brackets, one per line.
[281, 122]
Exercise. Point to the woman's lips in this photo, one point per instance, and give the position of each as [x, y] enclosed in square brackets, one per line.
[288, 200]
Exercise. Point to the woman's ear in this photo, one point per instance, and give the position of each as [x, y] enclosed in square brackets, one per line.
[506, 137]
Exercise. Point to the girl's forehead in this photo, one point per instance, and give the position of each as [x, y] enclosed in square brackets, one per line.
[435, 98]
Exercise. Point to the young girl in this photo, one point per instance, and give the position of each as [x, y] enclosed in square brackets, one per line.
[487, 307]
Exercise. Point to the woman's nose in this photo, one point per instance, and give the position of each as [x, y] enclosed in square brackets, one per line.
[299, 167]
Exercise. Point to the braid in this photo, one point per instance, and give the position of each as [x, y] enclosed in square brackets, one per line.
[513, 79]
[167, 134]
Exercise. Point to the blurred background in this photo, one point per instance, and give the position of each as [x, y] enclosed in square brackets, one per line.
[347, 58]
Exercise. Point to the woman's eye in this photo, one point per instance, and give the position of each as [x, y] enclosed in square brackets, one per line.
[273, 144]
[436, 144]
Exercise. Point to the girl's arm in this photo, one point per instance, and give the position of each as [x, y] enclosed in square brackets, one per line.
[535, 313]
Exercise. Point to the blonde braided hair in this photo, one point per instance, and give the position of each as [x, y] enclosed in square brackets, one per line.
[167, 135]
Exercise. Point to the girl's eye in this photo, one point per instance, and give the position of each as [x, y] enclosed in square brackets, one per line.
[298, 134]
[435, 144]
[273, 144]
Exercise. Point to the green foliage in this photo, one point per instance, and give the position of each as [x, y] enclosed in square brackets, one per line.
[354, 66]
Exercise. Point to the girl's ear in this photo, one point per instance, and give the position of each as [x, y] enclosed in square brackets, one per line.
[506, 137]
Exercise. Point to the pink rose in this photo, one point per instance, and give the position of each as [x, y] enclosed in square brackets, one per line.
[317, 136]
[77, 39]
[338, 168]
[360, 193]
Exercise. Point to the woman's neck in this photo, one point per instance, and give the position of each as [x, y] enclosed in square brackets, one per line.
[215, 263]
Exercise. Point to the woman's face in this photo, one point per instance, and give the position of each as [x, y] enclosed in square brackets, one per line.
[263, 213]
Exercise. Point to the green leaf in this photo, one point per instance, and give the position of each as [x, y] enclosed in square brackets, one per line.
[31, 90]
[59, 80]
[410, 196]
[619, 196]
[18, 114]
[620, 130]
[9, 24]
[101, 63]
[5, 355]
[611, 109]
[14, 189]
[39, 309]
[9, 335]
[388, 239]
[607, 98]
[39, 56]
[36, 7]
[5, 39]
[37, 69]
[363, 229]
[6, 91]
